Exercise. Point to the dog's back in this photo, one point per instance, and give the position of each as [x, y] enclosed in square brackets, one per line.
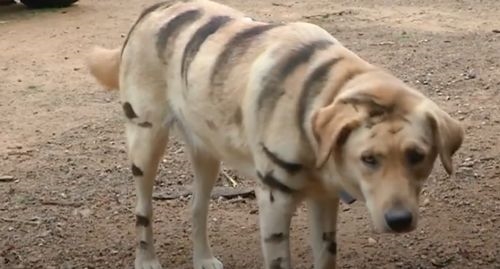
[199, 56]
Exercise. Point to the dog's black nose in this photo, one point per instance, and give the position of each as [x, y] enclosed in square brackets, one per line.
[399, 220]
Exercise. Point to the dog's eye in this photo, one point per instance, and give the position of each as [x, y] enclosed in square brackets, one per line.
[369, 160]
[414, 156]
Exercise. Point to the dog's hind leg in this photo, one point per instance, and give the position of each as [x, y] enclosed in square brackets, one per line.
[146, 145]
[206, 170]
[323, 221]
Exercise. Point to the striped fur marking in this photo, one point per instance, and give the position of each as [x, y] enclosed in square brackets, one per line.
[145, 124]
[291, 168]
[237, 46]
[276, 238]
[172, 28]
[211, 124]
[143, 244]
[136, 171]
[193, 46]
[129, 111]
[130, 114]
[238, 116]
[273, 183]
[329, 239]
[313, 86]
[143, 14]
[271, 196]
[276, 263]
[328, 236]
[332, 247]
[141, 221]
[272, 88]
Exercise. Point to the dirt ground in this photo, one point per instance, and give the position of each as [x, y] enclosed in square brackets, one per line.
[70, 203]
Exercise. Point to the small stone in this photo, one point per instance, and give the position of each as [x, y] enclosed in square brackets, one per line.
[372, 241]
[470, 75]
[467, 164]
[426, 202]
[85, 212]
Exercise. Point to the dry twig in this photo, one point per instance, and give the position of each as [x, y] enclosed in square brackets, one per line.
[226, 175]
[60, 203]
[30, 222]
[7, 178]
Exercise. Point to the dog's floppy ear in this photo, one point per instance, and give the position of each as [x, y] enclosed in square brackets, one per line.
[447, 134]
[332, 126]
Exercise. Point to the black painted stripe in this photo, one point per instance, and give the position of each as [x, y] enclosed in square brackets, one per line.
[141, 221]
[143, 244]
[136, 171]
[272, 84]
[238, 116]
[199, 37]
[288, 166]
[143, 14]
[276, 238]
[172, 28]
[129, 111]
[332, 248]
[145, 124]
[274, 183]
[313, 86]
[329, 236]
[237, 46]
[276, 263]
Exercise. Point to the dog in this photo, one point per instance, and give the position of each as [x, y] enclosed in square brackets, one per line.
[284, 103]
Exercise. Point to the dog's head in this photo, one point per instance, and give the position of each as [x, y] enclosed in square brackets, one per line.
[380, 138]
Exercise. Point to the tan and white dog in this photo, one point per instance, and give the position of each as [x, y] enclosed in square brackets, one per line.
[283, 102]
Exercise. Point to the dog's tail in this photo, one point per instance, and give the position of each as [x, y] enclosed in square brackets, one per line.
[104, 65]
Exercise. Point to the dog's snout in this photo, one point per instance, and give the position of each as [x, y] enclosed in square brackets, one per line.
[399, 220]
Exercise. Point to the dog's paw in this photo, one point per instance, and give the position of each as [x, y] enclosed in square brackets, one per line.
[141, 263]
[211, 263]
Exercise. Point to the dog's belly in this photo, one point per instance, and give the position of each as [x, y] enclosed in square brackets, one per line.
[209, 133]
[224, 146]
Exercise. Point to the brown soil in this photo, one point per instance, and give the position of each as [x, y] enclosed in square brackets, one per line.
[61, 138]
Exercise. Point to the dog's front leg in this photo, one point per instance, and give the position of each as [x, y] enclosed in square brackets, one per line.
[275, 212]
[323, 220]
